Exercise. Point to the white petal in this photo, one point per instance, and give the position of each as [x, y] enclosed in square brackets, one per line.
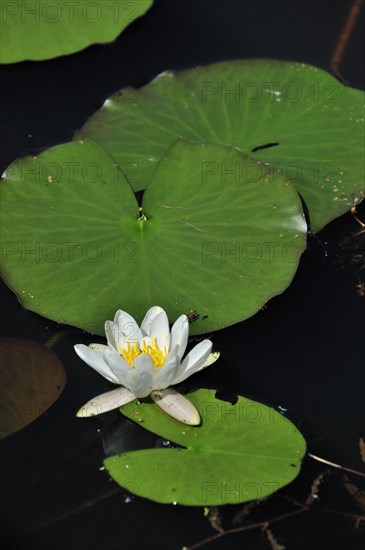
[143, 375]
[141, 384]
[100, 348]
[212, 358]
[128, 329]
[106, 402]
[177, 406]
[95, 361]
[179, 334]
[144, 362]
[194, 361]
[119, 367]
[166, 374]
[138, 381]
[111, 333]
[173, 351]
[159, 328]
[150, 315]
[146, 340]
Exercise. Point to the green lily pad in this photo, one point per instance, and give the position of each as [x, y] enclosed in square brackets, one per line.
[240, 452]
[32, 378]
[221, 242]
[294, 116]
[42, 29]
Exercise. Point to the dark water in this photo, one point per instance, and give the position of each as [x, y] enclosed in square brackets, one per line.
[304, 352]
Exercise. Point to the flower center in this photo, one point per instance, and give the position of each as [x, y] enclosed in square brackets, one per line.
[133, 350]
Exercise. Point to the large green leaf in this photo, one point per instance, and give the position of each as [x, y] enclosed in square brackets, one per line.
[313, 124]
[240, 452]
[42, 29]
[221, 242]
[32, 378]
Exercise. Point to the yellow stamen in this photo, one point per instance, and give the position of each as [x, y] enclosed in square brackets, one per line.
[132, 351]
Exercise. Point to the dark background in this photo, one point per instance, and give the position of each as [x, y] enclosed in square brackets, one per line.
[304, 352]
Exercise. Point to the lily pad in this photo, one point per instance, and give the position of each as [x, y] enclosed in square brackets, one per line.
[240, 452]
[42, 29]
[222, 240]
[293, 116]
[32, 379]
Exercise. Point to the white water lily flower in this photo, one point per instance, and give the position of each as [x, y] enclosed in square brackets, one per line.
[145, 361]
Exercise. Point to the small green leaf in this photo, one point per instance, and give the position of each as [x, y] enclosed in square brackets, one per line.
[75, 247]
[294, 116]
[240, 452]
[42, 29]
[32, 378]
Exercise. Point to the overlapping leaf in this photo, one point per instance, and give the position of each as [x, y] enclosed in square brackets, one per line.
[240, 452]
[42, 29]
[294, 116]
[32, 378]
[219, 233]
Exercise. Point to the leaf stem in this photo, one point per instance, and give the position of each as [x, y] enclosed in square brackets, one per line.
[345, 36]
[334, 465]
[265, 524]
[260, 524]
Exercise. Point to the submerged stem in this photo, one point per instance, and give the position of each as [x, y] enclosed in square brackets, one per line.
[55, 338]
[75, 510]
